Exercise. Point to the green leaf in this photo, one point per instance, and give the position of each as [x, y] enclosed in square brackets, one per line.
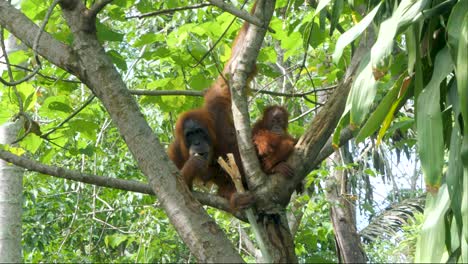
[411, 47]
[118, 59]
[317, 37]
[31, 143]
[87, 128]
[336, 12]
[292, 44]
[147, 38]
[353, 33]
[115, 240]
[429, 123]
[28, 95]
[104, 33]
[281, 3]
[57, 103]
[199, 82]
[344, 121]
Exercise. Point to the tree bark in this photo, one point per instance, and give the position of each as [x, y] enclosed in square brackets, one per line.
[11, 201]
[342, 215]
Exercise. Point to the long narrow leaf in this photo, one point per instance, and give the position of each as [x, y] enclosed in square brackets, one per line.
[464, 211]
[362, 92]
[406, 13]
[321, 5]
[377, 117]
[344, 121]
[461, 69]
[455, 166]
[430, 247]
[390, 114]
[336, 12]
[429, 123]
[354, 32]
[411, 47]
[453, 26]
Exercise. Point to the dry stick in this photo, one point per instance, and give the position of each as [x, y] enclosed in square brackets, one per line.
[233, 171]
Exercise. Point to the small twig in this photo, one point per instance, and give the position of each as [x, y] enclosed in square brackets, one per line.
[168, 11]
[233, 171]
[40, 74]
[86, 103]
[303, 64]
[303, 114]
[217, 41]
[10, 73]
[294, 94]
[240, 13]
[214, 45]
[212, 200]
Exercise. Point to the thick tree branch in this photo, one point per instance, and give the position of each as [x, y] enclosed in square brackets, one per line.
[211, 200]
[240, 69]
[25, 30]
[95, 69]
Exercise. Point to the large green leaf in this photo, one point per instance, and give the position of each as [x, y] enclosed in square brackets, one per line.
[407, 12]
[430, 247]
[403, 88]
[455, 166]
[429, 123]
[412, 41]
[336, 12]
[464, 212]
[462, 82]
[353, 33]
[454, 25]
[363, 91]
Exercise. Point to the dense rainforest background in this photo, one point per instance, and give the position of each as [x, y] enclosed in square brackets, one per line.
[377, 96]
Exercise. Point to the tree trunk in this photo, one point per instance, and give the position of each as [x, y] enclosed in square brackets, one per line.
[11, 197]
[343, 217]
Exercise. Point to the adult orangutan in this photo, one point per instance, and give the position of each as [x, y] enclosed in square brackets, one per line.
[202, 135]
